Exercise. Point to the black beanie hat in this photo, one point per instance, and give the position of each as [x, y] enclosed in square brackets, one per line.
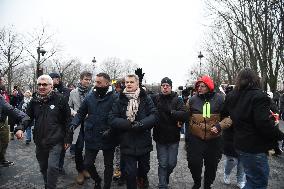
[54, 75]
[167, 80]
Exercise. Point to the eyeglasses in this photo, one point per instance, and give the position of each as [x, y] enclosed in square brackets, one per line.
[42, 84]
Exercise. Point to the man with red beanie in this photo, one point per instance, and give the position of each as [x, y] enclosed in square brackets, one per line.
[205, 125]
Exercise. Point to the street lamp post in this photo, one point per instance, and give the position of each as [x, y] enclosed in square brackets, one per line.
[200, 56]
[39, 70]
[94, 65]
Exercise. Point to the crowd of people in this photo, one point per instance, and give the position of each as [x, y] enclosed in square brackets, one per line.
[121, 119]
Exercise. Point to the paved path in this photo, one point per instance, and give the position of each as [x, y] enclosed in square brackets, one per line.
[25, 173]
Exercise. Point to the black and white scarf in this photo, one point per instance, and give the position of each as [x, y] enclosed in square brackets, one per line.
[133, 104]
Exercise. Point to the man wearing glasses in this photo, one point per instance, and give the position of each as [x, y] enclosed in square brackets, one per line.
[171, 111]
[51, 113]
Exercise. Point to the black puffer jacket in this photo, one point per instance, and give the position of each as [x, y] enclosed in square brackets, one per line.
[171, 109]
[249, 110]
[52, 119]
[133, 142]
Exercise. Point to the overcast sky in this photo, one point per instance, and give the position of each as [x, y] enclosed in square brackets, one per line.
[161, 36]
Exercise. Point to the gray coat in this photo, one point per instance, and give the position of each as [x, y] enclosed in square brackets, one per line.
[74, 104]
[74, 101]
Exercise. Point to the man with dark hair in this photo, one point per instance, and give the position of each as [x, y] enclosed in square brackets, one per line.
[133, 115]
[58, 85]
[51, 115]
[75, 100]
[94, 113]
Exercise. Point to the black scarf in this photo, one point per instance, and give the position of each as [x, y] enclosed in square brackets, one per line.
[43, 99]
[102, 91]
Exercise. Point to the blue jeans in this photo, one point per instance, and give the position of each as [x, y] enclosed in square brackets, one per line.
[29, 134]
[167, 157]
[230, 163]
[256, 169]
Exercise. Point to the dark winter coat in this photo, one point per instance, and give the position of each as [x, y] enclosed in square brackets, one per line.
[171, 109]
[94, 111]
[62, 89]
[134, 142]
[250, 110]
[7, 110]
[16, 100]
[228, 142]
[51, 120]
[200, 126]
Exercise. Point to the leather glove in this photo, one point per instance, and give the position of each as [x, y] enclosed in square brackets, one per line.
[136, 126]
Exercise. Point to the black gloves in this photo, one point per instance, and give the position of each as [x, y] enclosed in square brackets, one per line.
[140, 74]
[136, 126]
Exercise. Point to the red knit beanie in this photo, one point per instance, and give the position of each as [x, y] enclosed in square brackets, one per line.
[207, 81]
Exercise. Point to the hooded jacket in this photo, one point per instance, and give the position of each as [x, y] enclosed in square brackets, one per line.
[203, 117]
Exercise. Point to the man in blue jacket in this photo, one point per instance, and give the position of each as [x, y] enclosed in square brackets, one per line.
[94, 112]
[133, 116]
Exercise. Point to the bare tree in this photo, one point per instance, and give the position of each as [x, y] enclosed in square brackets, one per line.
[116, 69]
[69, 69]
[11, 53]
[38, 40]
[256, 31]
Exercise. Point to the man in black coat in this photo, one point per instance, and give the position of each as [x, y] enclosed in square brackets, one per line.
[133, 115]
[59, 87]
[51, 114]
[171, 111]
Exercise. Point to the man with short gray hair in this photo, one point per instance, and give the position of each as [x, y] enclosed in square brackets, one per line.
[51, 114]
